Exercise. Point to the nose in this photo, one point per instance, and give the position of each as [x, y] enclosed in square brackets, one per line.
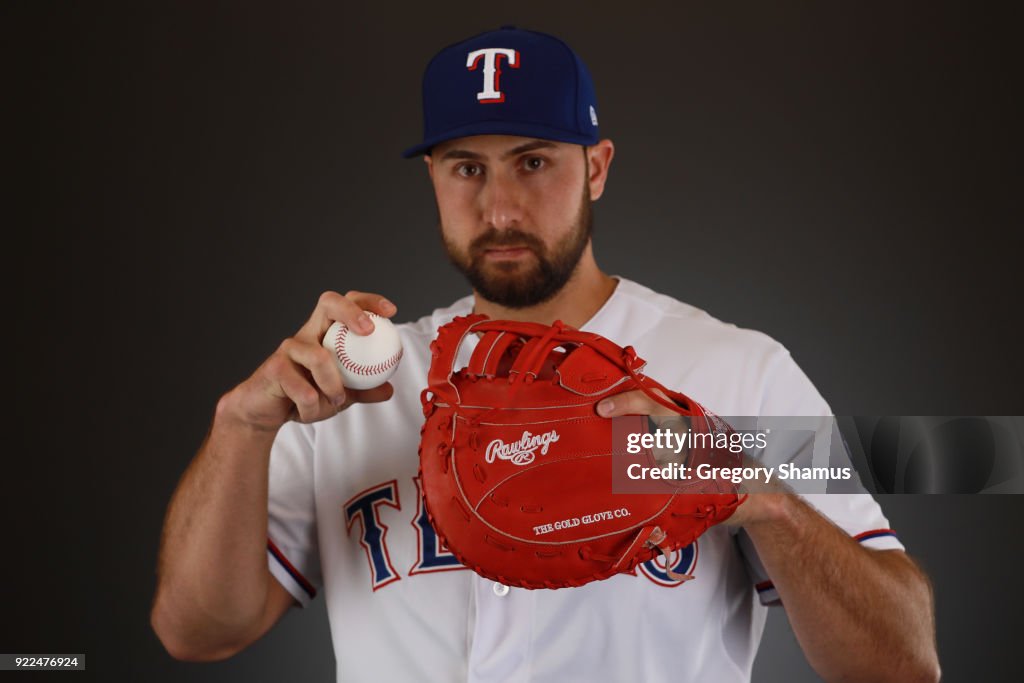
[501, 201]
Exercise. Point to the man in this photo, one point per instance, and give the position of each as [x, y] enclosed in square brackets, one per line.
[512, 149]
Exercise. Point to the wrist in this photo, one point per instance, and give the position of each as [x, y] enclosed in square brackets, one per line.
[764, 509]
[230, 414]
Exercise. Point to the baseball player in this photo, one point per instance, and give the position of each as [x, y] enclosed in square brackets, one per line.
[305, 489]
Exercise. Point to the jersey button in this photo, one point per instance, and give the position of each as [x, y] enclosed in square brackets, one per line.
[500, 589]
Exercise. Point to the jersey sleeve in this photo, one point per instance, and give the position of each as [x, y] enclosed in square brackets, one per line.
[847, 504]
[292, 550]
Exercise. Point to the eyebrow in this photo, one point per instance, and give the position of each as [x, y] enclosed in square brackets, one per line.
[526, 147]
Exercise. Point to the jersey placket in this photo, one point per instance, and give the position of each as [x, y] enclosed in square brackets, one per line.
[501, 647]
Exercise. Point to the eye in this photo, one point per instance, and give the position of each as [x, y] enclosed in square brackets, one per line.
[468, 170]
[534, 163]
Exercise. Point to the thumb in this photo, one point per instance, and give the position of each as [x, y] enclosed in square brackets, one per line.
[627, 403]
[606, 407]
[374, 395]
[631, 403]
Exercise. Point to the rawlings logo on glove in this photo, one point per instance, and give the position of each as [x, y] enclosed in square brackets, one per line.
[517, 509]
[522, 451]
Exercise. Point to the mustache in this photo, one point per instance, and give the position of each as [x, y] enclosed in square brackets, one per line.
[505, 238]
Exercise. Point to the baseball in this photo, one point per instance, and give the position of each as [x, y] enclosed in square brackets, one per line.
[365, 361]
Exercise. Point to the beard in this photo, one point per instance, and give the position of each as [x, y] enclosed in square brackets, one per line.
[516, 284]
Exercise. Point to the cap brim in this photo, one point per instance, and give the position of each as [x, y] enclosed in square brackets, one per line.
[518, 128]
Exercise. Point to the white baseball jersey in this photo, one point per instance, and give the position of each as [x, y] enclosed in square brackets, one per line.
[347, 519]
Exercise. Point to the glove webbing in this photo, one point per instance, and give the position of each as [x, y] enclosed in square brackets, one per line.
[553, 336]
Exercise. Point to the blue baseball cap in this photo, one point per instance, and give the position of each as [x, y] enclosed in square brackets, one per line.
[507, 82]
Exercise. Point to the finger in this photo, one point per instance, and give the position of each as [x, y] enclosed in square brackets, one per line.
[376, 303]
[349, 309]
[322, 366]
[310, 404]
[631, 403]
[331, 307]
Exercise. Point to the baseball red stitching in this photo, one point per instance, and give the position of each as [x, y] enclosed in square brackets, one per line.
[358, 368]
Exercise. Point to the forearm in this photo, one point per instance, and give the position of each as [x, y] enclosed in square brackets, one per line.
[859, 615]
[212, 574]
[215, 593]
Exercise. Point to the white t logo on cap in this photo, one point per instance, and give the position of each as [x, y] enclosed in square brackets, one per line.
[492, 70]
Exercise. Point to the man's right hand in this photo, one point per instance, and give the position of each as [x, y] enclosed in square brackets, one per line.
[301, 380]
[215, 593]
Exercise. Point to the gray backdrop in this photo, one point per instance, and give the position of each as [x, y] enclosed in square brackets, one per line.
[190, 177]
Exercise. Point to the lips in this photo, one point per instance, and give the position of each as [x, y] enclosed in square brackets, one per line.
[509, 245]
[506, 252]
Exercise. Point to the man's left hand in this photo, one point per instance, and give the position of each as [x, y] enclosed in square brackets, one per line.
[765, 502]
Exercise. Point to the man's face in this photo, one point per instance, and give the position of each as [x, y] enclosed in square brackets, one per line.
[514, 214]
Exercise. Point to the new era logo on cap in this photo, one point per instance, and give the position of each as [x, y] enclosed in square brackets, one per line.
[507, 82]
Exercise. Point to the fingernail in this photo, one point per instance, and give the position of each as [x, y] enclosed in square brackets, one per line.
[338, 400]
[606, 406]
[387, 307]
[363, 323]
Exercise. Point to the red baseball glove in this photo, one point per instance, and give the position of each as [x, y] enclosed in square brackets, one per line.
[516, 464]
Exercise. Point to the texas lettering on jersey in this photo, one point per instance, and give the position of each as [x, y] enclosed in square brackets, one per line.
[432, 556]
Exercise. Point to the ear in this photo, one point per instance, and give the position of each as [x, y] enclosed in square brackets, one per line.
[599, 159]
[430, 165]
